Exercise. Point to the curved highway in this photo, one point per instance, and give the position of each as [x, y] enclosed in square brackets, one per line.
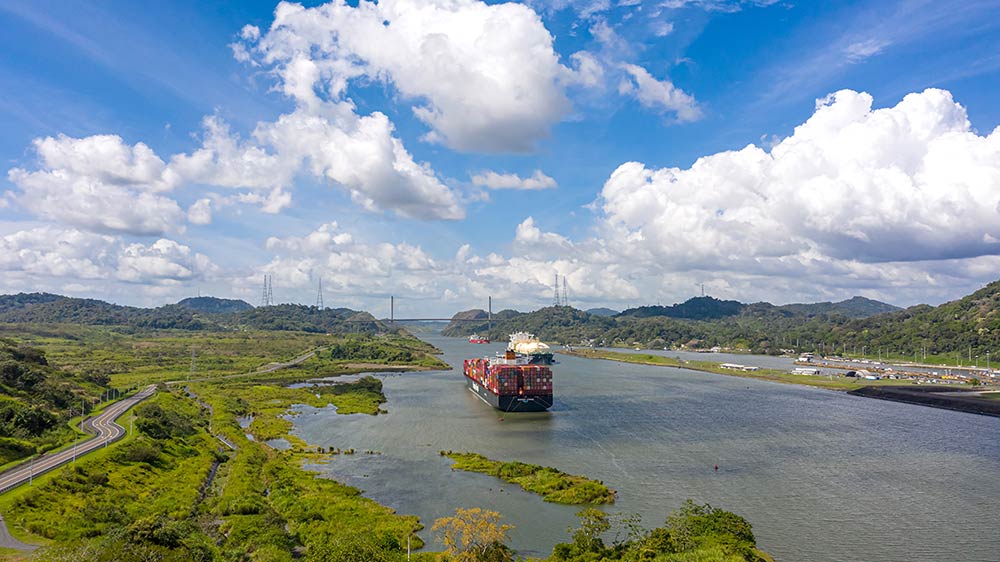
[107, 431]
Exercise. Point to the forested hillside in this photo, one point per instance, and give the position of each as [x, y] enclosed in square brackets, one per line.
[709, 308]
[36, 400]
[214, 305]
[43, 308]
[969, 326]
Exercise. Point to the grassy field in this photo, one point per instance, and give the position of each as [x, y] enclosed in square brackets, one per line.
[550, 483]
[131, 357]
[774, 375]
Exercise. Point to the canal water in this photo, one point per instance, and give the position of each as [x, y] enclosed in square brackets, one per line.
[821, 475]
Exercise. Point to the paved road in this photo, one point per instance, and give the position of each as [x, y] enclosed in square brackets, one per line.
[107, 431]
[7, 541]
[269, 368]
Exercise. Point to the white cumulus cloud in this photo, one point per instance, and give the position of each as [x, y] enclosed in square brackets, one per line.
[99, 183]
[349, 266]
[907, 183]
[493, 180]
[200, 212]
[37, 256]
[163, 261]
[483, 77]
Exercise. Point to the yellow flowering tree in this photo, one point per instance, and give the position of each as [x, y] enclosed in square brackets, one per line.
[475, 535]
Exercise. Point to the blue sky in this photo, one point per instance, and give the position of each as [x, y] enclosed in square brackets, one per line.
[155, 150]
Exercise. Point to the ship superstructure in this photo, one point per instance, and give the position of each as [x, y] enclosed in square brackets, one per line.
[526, 344]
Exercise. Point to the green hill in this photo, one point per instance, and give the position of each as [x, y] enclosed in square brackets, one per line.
[697, 308]
[213, 305]
[969, 326]
[602, 311]
[205, 313]
[36, 400]
[854, 307]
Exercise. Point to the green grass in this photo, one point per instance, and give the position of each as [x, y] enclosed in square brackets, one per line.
[132, 357]
[550, 483]
[106, 487]
[990, 395]
[138, 357]
[270, 404]
[773, 375]
[269, 504]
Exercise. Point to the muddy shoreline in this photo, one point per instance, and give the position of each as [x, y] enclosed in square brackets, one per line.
[949, 399]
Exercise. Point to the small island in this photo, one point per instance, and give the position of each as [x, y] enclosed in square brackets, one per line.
[552, 484]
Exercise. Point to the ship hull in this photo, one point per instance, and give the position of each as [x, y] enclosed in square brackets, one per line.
[513, 403]
[540, 359]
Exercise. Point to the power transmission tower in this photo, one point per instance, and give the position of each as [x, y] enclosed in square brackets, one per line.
[565, 294]
[319, 295]
[555, 295]
[265, 295]
[270, 290]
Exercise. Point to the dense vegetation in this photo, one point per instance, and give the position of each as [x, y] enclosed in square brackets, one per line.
[203, 314]
[173, 491]
[154, 497]
[552, 484]
[137, 501]
[213, 305]
[36, 400]
[958, 331]
[384, 350]
[694, 533]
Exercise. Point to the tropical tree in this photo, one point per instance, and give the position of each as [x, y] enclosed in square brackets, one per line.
[475, 535]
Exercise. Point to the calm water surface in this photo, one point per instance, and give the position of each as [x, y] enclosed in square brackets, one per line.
[821, 475]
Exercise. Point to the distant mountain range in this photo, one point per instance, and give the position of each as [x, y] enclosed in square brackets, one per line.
[602, 312]
[214, 305]
[709, 308]
[200, 313]
[969, 326]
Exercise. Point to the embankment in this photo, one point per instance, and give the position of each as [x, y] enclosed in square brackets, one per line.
[948, 398]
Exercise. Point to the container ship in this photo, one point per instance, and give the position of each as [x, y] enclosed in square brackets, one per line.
[475, 338]
[510, 383]
[531, 347]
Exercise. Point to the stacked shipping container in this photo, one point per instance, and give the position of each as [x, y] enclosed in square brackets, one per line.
[510, 380]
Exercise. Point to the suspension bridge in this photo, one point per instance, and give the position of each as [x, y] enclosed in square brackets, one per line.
[392, 316]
